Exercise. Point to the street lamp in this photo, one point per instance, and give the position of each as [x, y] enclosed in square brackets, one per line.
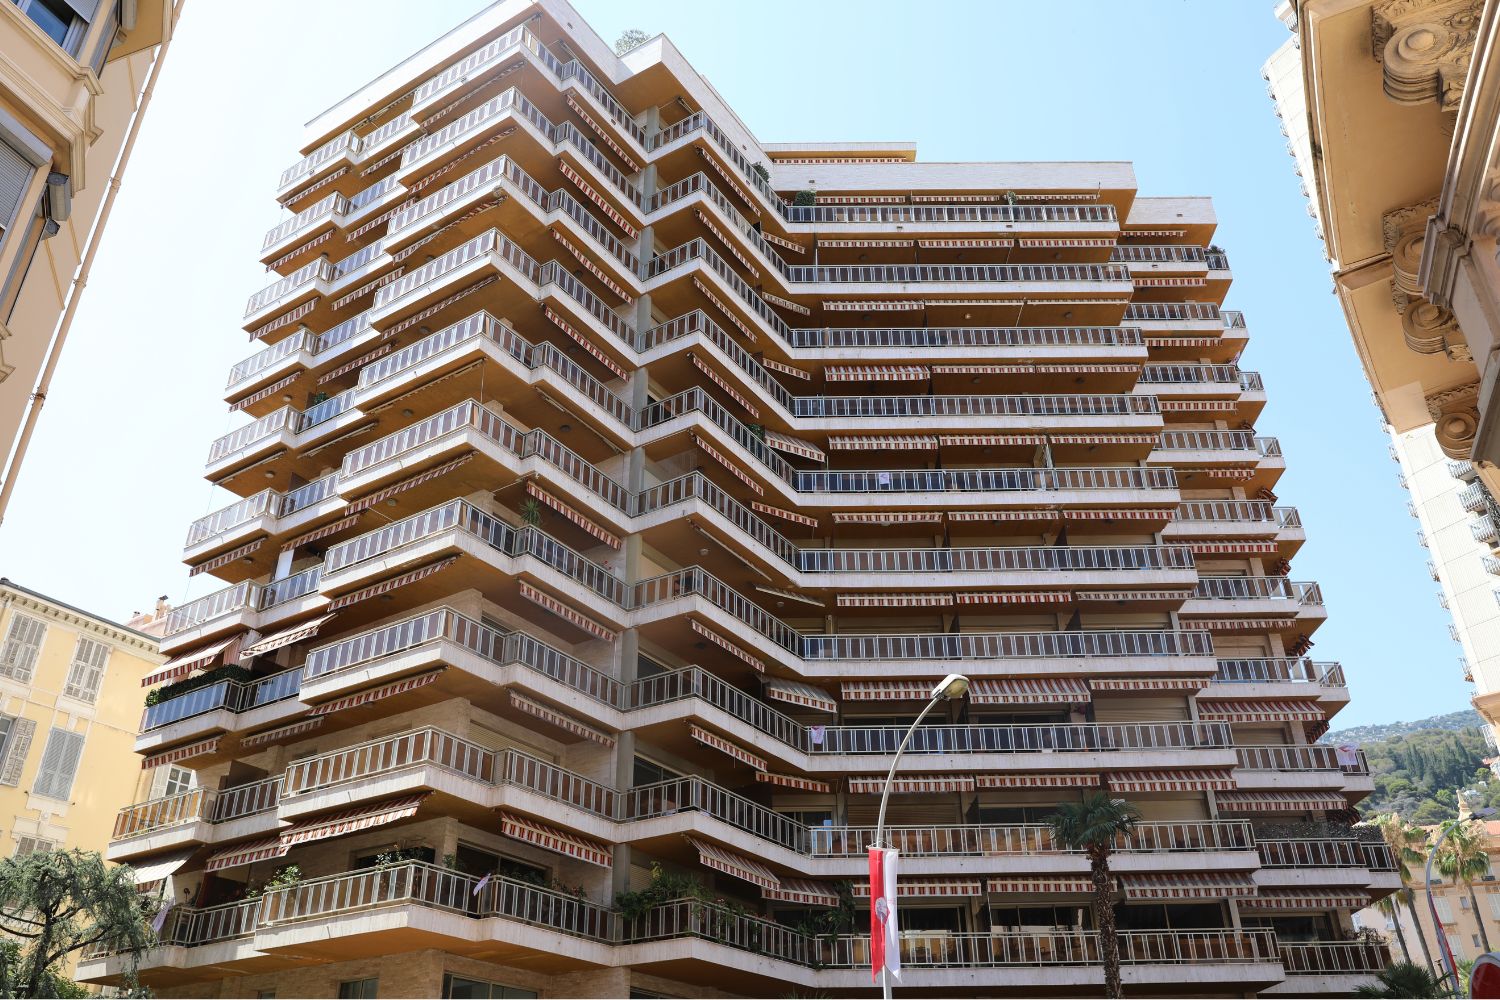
[950, 688]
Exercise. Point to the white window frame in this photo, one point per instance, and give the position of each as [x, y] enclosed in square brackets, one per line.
[13, 649]
[78, 28]
[86, 677]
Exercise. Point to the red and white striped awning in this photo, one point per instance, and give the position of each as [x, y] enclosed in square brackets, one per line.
[373, 284]
[286, 318]
[1280, 802]
[729, 313]
[723, 643]
[270, 390]
[1168, 342]
[865, 244]
[991, 440]
[805, 695]
[400, 487]
[1065, 243]
[785, 369]
[608, 538]
[594, 196]
[926, 887]
[358, 362]
[957, 199]
[888, 690]
[185, 664]
[351, 820]
[871, 305]
[369, 695]
[781, 242]
[1199, 780]
[792, 781]
[1243, 548]
[909, 784]
[1129, 685]
[587, 343]
[972, 244]
[883, 442]
[575, 618]
[895, 600]
[724, 176]
[1169, 282]
[1036, 781]
[876, 373]
[591, 267]
[777, 300]
[1272, 898]
[724, 860]
[550, 838]
[860, 199]
[1197, 885]
[1118, 514]
[888, 517]
[1237, 624]
[726, 242]
[803, 892]
[729, 749]
[323, 532]
[1056, 886]
[188, 752]
[287, 636]
[1134, 595]
[1004, 515]
[723, 383]
[1197, 405]
[1014, 597]
[785, 515]
[561, 720]
[604, 136]
[793, 446]
[1259, 711]
[1028, 691]
[727, 463]
[225, 558]
[149, 875]
[394, 583]
[246, 854]
[1152, 234]
[282, 732]
[1146, 439]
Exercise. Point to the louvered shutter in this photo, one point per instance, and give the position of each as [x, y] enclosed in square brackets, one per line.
[86, 673]
[23, 641]
[59, 764]
[17, 747]
[15, 177]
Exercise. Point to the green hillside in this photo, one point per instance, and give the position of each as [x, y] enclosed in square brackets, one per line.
[1417, 771]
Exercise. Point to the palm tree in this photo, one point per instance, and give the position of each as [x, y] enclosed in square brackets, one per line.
[1408, 843]
[1389, 908]
[1464, 859]
[1402, 979]
[1093, 826]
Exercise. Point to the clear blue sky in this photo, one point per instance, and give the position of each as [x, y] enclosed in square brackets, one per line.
[103, 505]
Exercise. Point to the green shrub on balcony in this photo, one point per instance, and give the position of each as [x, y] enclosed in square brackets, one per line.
[805, 198]
[170, 691]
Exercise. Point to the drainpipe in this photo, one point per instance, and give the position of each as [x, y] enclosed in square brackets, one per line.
[39, 396]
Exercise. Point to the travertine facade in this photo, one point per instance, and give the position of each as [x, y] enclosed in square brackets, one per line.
[615, 487]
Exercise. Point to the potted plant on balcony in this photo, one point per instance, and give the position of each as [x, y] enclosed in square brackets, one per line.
[804, 199]
[531, 512]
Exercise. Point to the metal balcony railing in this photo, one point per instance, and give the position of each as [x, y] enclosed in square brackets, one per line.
[1138, 312]
[1076, 737]
[1158, 253]
[1207, 440]
[321, 269]
[1334, 957]
[1277, 670]
[1191, 374]
[232, 696]
[1310, 853]
[1299, 757]
[1244, 588]
[1237, 511]
[261, 504]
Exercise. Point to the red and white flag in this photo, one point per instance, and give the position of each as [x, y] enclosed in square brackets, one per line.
[885, 931]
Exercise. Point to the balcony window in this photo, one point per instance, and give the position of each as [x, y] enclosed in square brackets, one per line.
[63, 21]
[32, 845]
[359, 989]
[461, 988]
[22, 154]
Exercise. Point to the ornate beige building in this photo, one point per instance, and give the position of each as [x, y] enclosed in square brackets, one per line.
[612, 489]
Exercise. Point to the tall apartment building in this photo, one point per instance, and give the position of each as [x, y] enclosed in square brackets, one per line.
[613, 488]
[1372, 143]
[73, 88]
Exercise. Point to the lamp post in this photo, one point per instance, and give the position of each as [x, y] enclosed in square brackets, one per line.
[950, 688]
[1437, 925]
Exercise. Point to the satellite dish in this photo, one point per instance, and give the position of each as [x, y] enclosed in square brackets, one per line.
[1484, 980]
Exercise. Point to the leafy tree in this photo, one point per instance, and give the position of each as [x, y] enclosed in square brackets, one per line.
[1463, 859]
[1093, 826]
[629, 39]
[58, 903]
[1403, 979]
[1409, 845]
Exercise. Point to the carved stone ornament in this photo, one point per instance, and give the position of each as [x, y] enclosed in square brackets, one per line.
[1424, 47]
[1431, 329]
[1455, 415]
[1404, 232]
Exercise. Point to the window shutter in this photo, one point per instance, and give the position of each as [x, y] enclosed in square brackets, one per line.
[159, 782]
[1444, 911]
[23, 641]
[15, 177]
[86, 673]
[59, 764]
[16, 749]
[1494, 898]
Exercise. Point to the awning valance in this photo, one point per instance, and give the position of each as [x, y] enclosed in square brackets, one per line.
[918, 887]
[724, 860]
[785, 515]
[785, 369]
[803, 892]
[1199, 780]
[199, 749]
[777, 300]
[358, 362]
[1198, 885]
[1014, 597]
[908, 784]
[991, 440]
[1280, 802]
[794, 782]
[876, 373]
[350, 820]
[285, 637]
[795, 446]
[888, 690]
[1259, 711]
[727, 463]
[884, 517]
[883, 442]
[1069, 780]
[569, 330]
[575, 618]
[394, 583]
[282, 732]
[1055, 886]
[607, 537]
[225, 558]
[379, 496]
[550, 838]
[157, 868]
[1245, 548]
[726, 747]
[723, 643]
[804, 695]
[723, 383]
[1028, 691]
[377, 693]
[724, 309]
[871, 305]
[561, 720]
[1237, 624]
[323, 532]
[246, 854]
[185, 664]
[894, 600]
[1129, 685]
[1004, 515]
[1321, 898]
[268, 391]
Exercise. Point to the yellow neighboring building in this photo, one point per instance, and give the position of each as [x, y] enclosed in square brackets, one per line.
[70, 685]
[75, 78]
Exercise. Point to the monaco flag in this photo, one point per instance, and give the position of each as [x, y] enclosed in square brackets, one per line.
[885, 931]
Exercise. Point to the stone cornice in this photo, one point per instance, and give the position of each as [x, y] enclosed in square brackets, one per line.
[146, 646]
